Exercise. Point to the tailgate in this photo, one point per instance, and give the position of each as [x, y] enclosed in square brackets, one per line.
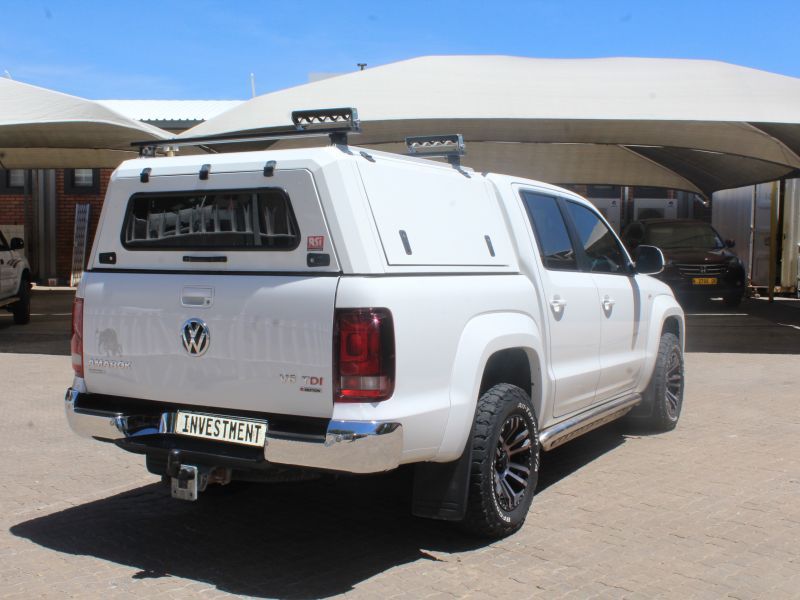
[267, 346]
[215, 292]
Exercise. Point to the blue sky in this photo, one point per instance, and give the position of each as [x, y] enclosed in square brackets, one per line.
[206, 49]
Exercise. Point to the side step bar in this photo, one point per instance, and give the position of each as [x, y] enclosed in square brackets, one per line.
[561, 433]
[8, 301]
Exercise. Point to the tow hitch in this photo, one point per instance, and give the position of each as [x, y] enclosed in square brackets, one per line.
[189, 480]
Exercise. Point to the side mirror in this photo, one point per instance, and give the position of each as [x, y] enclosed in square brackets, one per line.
[17, 244]
[649, 260]
[730, 243]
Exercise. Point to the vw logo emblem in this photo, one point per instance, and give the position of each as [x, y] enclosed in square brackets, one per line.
[195, 337]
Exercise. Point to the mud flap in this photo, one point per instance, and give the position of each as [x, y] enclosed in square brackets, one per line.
[440, 489]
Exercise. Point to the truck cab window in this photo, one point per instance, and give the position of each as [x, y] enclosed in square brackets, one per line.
[600, 246]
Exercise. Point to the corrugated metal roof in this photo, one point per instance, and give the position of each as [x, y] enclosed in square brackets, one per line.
[170, 110]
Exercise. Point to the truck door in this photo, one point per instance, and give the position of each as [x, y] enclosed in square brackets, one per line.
[570, 304]
[618, 305]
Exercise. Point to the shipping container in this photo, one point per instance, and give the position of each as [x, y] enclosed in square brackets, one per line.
[743, 215]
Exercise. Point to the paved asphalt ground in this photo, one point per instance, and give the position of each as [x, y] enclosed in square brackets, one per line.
[710, 510]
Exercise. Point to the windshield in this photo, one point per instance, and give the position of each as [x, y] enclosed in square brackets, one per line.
[682, 235]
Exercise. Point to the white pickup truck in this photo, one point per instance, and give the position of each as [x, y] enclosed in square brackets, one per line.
[15, 280]
[270, 314]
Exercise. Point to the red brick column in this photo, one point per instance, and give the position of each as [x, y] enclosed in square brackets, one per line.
[65, 220]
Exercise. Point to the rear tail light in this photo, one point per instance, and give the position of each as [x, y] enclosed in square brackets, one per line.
[76, 345]
[364, 355]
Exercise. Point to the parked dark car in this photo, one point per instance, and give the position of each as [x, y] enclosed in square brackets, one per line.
[699, 264]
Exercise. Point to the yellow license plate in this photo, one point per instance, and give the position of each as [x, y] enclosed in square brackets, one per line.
[704, 281]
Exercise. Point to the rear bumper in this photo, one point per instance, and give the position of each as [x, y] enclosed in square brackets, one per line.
[347, 446]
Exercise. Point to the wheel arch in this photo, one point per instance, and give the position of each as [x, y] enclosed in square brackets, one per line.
[673, 325]
[519, 366]
[666, 317]
[493, 348]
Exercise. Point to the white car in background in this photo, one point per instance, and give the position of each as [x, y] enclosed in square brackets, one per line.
[15, 280]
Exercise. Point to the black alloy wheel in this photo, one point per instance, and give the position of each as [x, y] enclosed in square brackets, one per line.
[673, 387]
[513, 462]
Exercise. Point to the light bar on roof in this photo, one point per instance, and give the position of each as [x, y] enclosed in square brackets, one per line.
[335, 123]
[306, 120]
[436, 145]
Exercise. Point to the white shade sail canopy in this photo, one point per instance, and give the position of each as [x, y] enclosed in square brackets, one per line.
[688, 124]
[41, 128]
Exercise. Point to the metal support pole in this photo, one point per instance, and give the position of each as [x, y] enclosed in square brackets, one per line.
[780, 236]
[29, 220]
[773, 239]
[752, 240]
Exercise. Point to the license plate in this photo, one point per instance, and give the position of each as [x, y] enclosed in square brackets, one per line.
[248, 432]
[704, 281]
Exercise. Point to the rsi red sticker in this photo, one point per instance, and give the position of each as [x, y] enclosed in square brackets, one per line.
[316, 242]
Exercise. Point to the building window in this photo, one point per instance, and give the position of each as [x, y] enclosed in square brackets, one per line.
[12, 181]
[82, 178]
[81, 181]
[16, 178]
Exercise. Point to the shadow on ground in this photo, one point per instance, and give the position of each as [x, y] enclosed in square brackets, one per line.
[565, 460]
[300, 540]
[49, 330]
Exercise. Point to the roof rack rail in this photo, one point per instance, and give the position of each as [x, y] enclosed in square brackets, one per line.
[335, 123]
[450, 146]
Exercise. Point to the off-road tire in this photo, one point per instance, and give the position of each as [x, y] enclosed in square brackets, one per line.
[498, 407]
[22, 308]
[664, 393]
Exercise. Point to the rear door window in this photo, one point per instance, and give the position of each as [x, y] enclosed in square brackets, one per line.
[211, 220]
[551, 233]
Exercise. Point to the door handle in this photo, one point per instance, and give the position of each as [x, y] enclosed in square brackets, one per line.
[199, 297]
[608, 304]
[558, 305]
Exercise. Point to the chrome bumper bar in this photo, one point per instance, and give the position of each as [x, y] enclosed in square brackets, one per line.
[349, 446]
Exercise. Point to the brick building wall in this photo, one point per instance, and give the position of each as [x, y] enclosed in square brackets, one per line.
[12, 209]
[65, 218]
